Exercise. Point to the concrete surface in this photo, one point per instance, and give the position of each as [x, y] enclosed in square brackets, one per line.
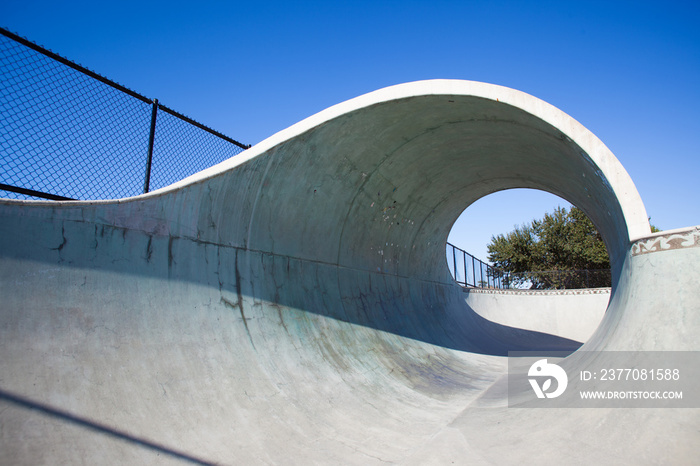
[292, 305]
[572, 314]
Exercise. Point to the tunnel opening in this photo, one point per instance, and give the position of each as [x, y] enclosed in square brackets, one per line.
[560, 300]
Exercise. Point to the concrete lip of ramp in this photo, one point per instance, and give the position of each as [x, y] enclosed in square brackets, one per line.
[293, 304]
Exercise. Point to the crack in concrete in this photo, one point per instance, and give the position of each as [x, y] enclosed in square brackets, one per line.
[239, 304]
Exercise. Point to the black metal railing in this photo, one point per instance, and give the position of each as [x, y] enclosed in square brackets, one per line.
[559, 279]
[469, 271]
[69, 133]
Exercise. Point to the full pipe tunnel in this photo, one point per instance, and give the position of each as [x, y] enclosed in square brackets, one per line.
[346, 214]
[310, 267]
[370, 189]
[373, 186]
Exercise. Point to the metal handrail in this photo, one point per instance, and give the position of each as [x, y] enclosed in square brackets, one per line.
[472, 272]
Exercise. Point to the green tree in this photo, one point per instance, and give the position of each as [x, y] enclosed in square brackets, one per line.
[546, 251]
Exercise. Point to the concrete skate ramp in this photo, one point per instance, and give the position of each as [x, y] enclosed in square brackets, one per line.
[292, 305]
[573, 314]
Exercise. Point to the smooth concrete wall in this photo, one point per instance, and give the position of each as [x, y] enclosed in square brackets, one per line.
[572, 314]
[657, 305]
[292, 305]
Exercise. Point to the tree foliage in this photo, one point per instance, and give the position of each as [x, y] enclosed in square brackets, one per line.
[562, 241]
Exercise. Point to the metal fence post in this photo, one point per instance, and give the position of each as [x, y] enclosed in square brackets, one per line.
[454, 263]
[473, 271]
[464, 260]
[151, 139]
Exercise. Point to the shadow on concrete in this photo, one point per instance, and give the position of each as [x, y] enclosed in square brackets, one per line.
[429, 311]
[65, 416]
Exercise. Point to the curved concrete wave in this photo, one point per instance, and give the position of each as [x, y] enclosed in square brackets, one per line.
[293, 305]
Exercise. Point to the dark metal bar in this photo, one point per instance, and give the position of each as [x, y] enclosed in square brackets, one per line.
[70, 64]
[31, 192]
[202, 127]
[473, 271]
[151, 140]
[115, 85]
[494, 276]
[454, 262]
[154, 102]
[464, 261]
[503, 280]
[481, 274]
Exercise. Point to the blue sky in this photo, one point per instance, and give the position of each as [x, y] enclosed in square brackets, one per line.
[627, 70]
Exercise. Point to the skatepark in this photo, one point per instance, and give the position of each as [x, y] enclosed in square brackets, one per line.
[293, 305]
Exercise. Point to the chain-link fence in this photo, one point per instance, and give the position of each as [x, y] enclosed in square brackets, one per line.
[469, 271]
[68, 133]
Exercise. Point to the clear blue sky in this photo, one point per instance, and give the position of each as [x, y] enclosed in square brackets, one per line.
[627, 70]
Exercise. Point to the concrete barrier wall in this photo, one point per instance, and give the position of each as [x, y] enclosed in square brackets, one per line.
[573, 314]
